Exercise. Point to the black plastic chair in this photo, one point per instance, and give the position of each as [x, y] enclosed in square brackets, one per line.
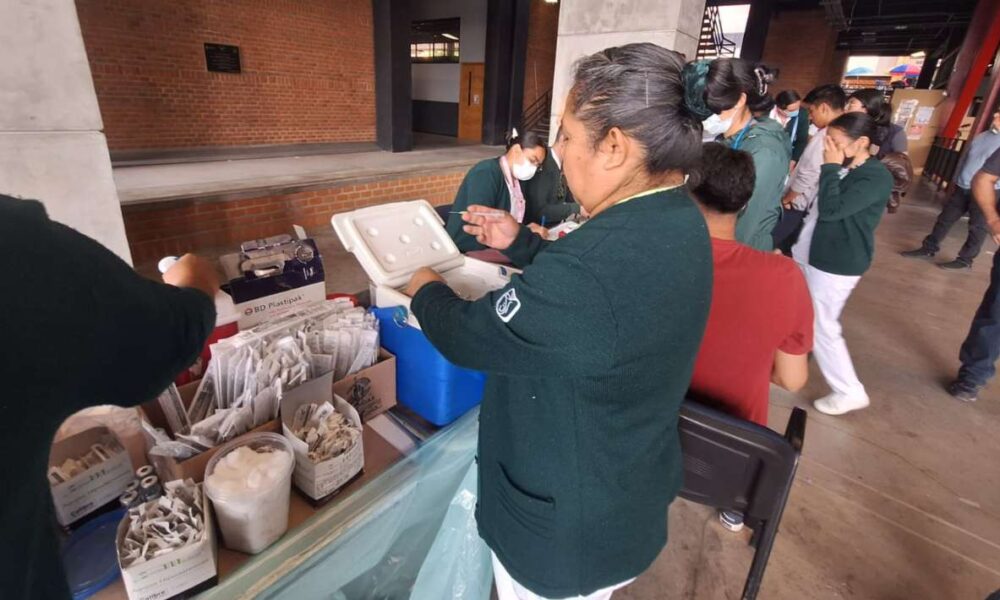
[733, 464]
[444, 211]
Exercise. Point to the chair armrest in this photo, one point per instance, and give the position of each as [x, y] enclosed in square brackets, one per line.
[795, 432]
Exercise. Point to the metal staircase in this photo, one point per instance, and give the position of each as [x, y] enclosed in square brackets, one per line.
[713, 43]
[536, 116]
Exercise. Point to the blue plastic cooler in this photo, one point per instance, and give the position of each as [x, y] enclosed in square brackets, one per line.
[426, 382]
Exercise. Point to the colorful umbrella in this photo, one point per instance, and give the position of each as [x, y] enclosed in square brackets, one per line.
[907, 70]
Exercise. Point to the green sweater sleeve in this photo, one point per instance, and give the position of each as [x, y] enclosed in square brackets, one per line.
[483, 186]
[526, 245]
[91, 327]
[531, 327]
[842, 199]
[763, 211]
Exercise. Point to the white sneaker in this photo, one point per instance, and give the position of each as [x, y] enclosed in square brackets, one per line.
[838, 404]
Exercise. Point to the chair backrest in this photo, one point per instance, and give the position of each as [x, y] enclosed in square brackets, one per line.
[734, 464]
[444, 211]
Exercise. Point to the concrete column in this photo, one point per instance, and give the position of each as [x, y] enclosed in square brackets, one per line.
[587, 26]
[51, 145]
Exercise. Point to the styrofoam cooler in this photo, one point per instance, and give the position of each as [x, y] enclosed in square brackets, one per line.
[392, 241]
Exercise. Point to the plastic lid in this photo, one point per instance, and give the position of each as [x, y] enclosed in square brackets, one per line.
[89, 555]
[392, 241]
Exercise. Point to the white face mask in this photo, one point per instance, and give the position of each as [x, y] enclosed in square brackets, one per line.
[715, 126]
[524, 170]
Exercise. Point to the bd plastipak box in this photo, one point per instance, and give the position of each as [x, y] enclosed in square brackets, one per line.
[393, 241]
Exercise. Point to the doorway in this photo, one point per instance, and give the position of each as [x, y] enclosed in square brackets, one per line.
[470, 102]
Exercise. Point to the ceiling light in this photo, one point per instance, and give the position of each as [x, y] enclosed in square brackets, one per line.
[919, 54]
[552, 1]
[450, 36]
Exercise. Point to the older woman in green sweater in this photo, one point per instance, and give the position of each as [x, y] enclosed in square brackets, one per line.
[853, 190]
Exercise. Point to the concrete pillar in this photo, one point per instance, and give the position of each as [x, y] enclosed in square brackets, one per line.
[51, 145]
[587, 26]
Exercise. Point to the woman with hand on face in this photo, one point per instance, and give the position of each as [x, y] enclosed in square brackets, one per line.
[726, 92]
[853, 189]
[590, 350]
[496, 183]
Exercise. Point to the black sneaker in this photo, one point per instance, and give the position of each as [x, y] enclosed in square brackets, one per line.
[966, 392]
[918, 253]
[956, 265]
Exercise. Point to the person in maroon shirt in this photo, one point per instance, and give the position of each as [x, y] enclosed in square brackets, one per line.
[760, 325]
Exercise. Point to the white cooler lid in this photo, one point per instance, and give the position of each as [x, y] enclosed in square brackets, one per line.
[392, 241]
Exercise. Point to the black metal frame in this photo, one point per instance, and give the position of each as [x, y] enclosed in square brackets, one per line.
[733, 464]
[943, 160]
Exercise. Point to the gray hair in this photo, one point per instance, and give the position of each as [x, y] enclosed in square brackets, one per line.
[639, 89]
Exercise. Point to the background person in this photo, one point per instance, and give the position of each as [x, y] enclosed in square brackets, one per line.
[733, 90]
[496, 183]
[961, 201]
[981, 347]
[549, 200]
[760, 326]
[579, 455]
[889, 137]
[791, 115]
[825, 104]
[83, 329]
[854, 187]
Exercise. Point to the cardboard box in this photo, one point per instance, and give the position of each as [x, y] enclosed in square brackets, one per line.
[94, 487]
[266, 308]
[259, 298]
[170, 575]
[371, 391]
[169, 469]
[318, 480]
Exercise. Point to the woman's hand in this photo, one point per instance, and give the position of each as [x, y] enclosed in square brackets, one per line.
[422, 277]
[539, 230]
[493, 228]
[832, 154]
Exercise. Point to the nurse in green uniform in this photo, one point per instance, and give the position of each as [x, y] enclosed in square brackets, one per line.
[496, 183]
[733, 90]
[589, 351]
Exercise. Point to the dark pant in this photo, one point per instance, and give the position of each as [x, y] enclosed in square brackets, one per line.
[981, 348]
[957, 205]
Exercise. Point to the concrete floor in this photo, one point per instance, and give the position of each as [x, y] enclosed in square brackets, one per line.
[896, 502]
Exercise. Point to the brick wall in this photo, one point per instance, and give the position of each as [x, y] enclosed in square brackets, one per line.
[540, 60]
[155, 231]
[802, 46]
[308, 71]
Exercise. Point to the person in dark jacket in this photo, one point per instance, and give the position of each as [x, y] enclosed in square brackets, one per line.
[549, 200]
[496, 182]
[853, 190]
[81, 329]
[981, 347]
[790, 114]
[733, 89]
[579, 455]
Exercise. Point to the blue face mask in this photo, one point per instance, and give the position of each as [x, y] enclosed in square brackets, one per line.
[793, 113]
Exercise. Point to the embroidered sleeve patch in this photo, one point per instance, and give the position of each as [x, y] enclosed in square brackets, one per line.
[508, 305]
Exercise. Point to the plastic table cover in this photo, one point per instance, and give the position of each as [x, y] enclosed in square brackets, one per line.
[410, 533]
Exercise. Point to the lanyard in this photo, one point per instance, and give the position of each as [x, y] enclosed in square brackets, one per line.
[739, 136]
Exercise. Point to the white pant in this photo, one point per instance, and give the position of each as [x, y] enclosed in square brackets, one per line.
[508, 589]
[829, 295]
